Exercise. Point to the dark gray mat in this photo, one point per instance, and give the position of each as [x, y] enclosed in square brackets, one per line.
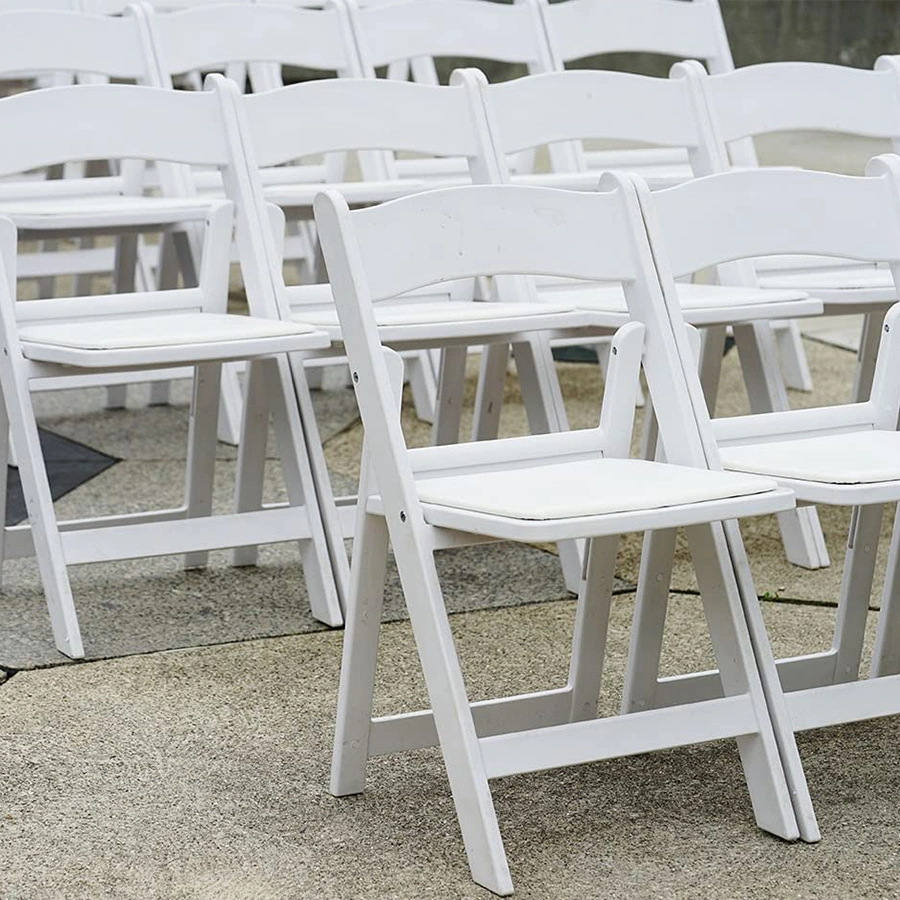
[69, 464]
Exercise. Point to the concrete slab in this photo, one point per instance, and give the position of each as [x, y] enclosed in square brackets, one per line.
[203, 774]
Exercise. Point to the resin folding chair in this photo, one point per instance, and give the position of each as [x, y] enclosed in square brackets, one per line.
[87, 48]
[573, 106]
[50, 342]
[803, 96]
[252, 43]
[845, 455]
[544, 487]
[578, 29]
[271, 129]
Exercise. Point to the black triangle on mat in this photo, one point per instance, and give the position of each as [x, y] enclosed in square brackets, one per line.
[69, 464]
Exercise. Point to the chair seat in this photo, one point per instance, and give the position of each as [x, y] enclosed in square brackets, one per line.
[99, 212]
[702, 304]
[862, 457]
[582, 488]
[845, 278]
[866, 457]
[164, 337]
[389, 314]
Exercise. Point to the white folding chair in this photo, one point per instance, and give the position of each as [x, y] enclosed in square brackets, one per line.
[578, 484]
[272, 129]
[577, 29]
[574, 106]
[844, 455]
[52, 341]
[762, 99]
[86, 48]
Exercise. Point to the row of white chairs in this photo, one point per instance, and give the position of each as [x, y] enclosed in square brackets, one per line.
[191, 40]
[564, 487]
[213, 36]
[369, 120]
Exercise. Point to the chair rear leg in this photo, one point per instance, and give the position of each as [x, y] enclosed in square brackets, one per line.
[771, 685]
[546, 412]
[886, 654]
[856, 591]
[325, 594]
[489, 396]
[648, 627]
[201, 461]
[794, 366]
[866, 356]
[760, 752]
[801, 532]
[315, 467]
[358, 661]
[591, 627]
[4, 463]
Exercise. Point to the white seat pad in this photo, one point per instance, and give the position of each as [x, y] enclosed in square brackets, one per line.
[581, 488]
[863, 457]
[844, 278]
[164, 329]
[440, 311]
[609, 297]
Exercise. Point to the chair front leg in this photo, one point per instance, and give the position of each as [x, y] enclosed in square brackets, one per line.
[201, 461]
[358, 661]
[451, 385]
[856, 591]
[648, 626]
[591, 627]
[251, 462]
[48, 546]
[886, 654]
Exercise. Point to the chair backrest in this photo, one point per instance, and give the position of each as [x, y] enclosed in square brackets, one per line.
[770, 97]
[273, 128]
[112, 122]
[578, 105]
[265, 36]
[686, 29]
[38, 40]
[507, 33]
[740, 215]
[483, 230]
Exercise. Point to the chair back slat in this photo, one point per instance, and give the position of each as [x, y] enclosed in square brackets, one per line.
[688, 29]
[358, 114]
[795, 96]
[211, 36]
[745, 214]
[440, 28]
[61, 41]
[564, 106]
[112, 122]
[455, 233]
